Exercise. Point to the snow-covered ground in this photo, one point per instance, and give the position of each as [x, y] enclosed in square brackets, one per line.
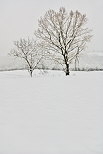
[51, 113]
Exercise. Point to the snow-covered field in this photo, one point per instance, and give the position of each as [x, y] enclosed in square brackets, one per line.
[51, 113]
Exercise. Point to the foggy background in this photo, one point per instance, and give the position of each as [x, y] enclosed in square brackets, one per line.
[19, 18]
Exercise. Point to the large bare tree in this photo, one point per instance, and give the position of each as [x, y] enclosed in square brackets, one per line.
[28, 50]
[64, 35]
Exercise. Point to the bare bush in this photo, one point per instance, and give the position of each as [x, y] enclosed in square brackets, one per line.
[30, 51]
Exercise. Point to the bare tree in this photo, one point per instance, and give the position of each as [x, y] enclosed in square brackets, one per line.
[64, 35]
[29, 51]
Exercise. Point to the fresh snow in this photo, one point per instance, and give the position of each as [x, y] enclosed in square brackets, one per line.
[51, 113]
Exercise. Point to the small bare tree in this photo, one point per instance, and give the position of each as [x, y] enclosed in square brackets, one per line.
[76, 62]
[29, 51]
[64, 35]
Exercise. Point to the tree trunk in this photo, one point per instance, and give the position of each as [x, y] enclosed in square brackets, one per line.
[67, 69]
[31, 73]
[75, 65]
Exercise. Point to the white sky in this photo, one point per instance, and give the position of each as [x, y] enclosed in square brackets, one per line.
[19, 18]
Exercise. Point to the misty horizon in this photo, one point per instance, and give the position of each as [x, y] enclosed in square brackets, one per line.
[19, 19]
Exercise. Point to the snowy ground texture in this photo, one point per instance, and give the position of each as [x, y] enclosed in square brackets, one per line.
[51, 113]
